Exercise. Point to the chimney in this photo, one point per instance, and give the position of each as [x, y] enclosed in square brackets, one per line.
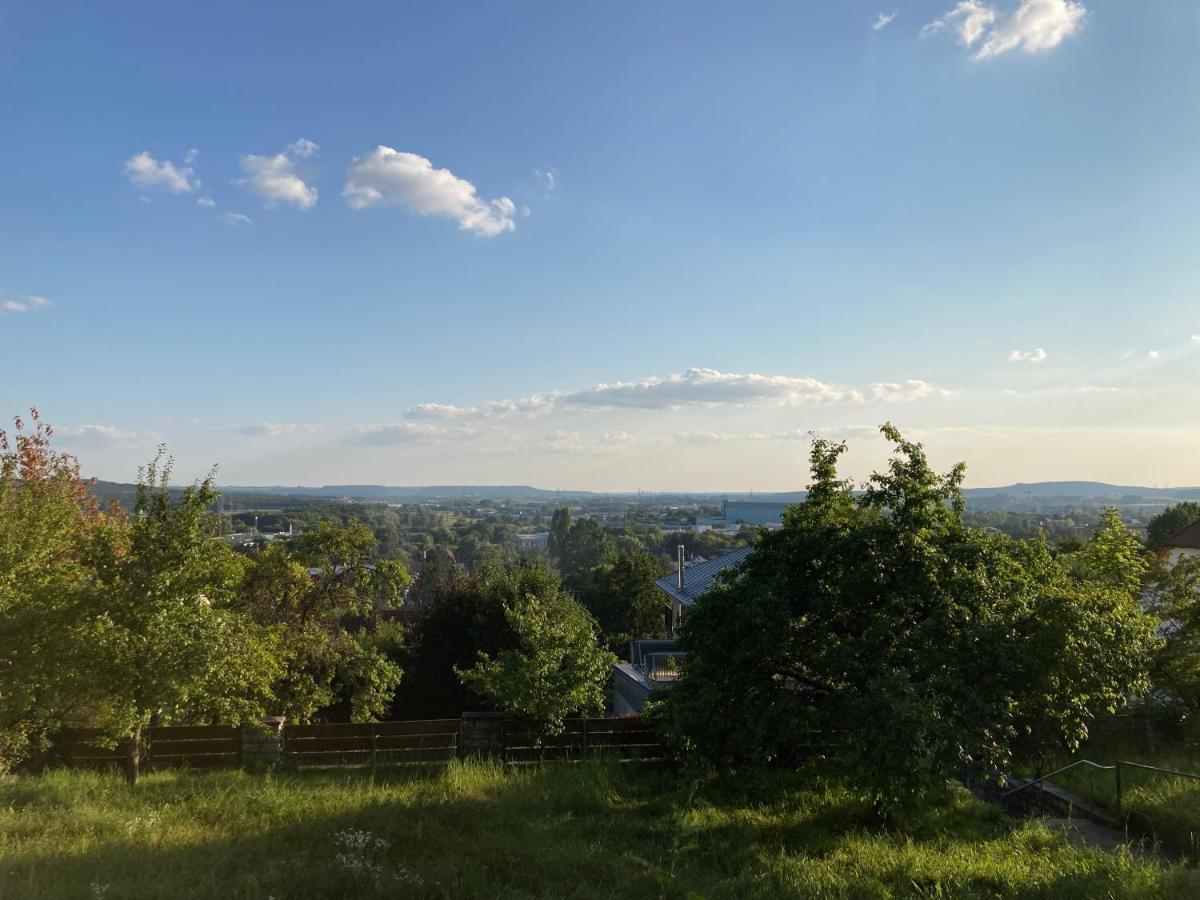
[679, 569]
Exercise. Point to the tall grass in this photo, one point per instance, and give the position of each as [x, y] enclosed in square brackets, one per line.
[1152, 803]
[477, 830]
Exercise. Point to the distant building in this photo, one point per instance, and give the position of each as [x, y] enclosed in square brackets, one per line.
[1182, 544]
[765, 513]
[531, 543]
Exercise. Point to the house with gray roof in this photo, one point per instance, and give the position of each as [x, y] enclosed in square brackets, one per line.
[654, 663]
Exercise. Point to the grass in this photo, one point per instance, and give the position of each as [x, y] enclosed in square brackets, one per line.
[473, 830]
[1166, 808]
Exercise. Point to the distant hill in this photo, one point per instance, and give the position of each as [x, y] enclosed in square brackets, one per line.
[1083, 489]
[415, 492]
[1033, 496]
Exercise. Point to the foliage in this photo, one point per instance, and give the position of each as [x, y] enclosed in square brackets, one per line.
[115, 622]
[1174, 592]
[550, 666]
[307, 594]
[883, 630]
[161, 643]
[615, 584]
[625, 602]
[1171, 521]
[46, 517]
[477, 831]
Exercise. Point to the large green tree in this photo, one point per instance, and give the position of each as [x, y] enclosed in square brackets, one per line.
[160, 642]
[624, 600]
[549, 665]
[880, 629]
[308, 595]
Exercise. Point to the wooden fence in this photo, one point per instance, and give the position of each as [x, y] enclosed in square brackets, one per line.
[626, 738]
[197, 746]
[426, 741]
[432, 740]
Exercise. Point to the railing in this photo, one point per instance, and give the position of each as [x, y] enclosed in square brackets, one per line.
[1115, 768]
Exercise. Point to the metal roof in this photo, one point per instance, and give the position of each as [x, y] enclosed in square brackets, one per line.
[698, 580]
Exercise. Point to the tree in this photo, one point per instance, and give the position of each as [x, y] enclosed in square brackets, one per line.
[879, 628]
[159, 643]
[560, 527]
[333, 574]
[1171, 521]
[625, 601]
[550, 666]
[47, 514]
[1174, 592]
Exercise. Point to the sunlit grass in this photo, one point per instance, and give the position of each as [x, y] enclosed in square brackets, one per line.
[1152, 803]
[471, 830]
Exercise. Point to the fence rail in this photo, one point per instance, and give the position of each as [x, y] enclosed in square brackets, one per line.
[433, 740]
[425, 741]
[182, 745]
[622, 738]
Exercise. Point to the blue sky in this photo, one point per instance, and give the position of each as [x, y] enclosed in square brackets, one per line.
[604, 247]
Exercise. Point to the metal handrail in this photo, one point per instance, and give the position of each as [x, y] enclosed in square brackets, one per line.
[1171, 772]
[1041, 778]
[1116, 767]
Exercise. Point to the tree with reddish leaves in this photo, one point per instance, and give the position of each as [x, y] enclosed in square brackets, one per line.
[47, 519]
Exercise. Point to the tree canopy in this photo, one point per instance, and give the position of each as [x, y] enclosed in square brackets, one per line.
[549, 665]
[879, 629]
[1171, 521]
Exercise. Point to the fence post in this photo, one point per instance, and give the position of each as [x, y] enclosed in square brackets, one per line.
[482, 735]
[1118, 785]
[262, 742]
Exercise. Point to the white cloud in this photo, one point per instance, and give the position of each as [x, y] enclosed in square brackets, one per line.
[1027, 356]
[145, 171]
[548, 178]
[206, 201]
[387, 177]
[232, 218]
[884, 20]
[274, 179]
[275, 429]
[1034, 26]
[969, 17]
[386, 435]
[1196, 338]
[105, 436]
[1153, 354]
[906, 392]
[303, 149]
[693, 388]
[25, 304]
[1037, 25]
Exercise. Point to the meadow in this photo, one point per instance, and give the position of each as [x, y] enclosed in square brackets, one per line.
[480, 830]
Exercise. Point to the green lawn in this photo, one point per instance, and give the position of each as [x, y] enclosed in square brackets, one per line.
[588, 830]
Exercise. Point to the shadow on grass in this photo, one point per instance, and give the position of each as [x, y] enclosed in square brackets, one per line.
[470, 831]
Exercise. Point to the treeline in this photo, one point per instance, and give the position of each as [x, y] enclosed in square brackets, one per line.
[409, 533]
[129, 621]
[880, 635]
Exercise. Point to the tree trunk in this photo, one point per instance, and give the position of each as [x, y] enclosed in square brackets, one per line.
[133, 757]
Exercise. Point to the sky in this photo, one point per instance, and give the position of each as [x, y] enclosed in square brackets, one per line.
[604, 246]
